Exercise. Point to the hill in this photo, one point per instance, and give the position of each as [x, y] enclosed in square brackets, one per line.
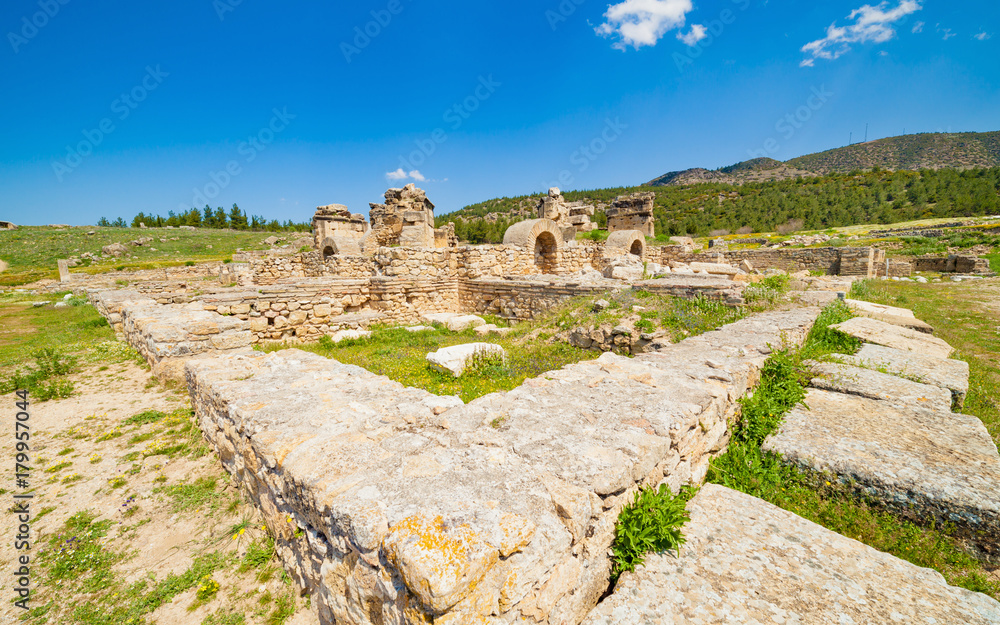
[812, 203]
[962, 150]
[909, 152]
[755, 170]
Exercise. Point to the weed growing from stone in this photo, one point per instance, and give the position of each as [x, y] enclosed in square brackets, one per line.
[651, 523]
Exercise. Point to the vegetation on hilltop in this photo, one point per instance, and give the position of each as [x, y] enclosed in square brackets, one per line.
[218, 218]
[910, 152]
[821, 202]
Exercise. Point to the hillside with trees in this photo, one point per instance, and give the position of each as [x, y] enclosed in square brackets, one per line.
[819, 202]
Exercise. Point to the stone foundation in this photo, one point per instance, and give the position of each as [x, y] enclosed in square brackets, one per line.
[393, 505]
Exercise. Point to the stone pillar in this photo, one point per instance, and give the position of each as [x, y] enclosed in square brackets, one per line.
[63, 270]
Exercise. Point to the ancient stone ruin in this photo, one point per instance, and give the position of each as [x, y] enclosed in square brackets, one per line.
[407, 219]
[391, 504]
[337, 231]
[632, 212]
[566, 215]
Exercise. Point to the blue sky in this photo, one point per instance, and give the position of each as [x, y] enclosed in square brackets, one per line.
[111, 108]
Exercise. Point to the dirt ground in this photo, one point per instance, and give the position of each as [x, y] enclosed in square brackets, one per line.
[110, 479]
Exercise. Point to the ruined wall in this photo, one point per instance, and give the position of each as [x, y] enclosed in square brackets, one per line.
[953, 263]
[467, 262]
[844, 261]
[431, 511]
[522, 300]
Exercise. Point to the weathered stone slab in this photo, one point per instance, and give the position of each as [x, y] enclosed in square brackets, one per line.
[749, 562]
[889, 314]
[456, 358]
[882, 333]
[950, 374]
[862, 307]
[717, 269]
[919, 463]
[882, 386]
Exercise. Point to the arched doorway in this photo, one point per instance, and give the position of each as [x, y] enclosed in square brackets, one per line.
[636, 248]
[546, 252]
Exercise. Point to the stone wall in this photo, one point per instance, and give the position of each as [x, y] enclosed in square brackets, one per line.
[953, 263]
[393, 505]
[522, 300]
[467, 262]
[844, 261]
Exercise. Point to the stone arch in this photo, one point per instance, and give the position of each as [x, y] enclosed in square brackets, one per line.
[627, 242]
[333, 246]
[542, 236]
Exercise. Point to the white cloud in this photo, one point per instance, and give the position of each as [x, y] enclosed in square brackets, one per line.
[918, 28]
[400, 174]
[947, 34]
[696, 34]
[872, 24]
[643, 22]
[983, 36]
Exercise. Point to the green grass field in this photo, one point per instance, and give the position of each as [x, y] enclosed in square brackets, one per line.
[31, 252]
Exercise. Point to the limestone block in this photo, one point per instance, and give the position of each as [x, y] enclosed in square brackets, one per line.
[456, 358]
[726, 573]
[297, 317]
[258, 324]
[888, 335]
[463, 322]
[715, 269]
[920, 463]
[950, 374]
[881, 386]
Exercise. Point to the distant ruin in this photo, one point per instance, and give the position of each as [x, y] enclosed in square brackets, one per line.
[337, 231]
[407, 219]
[633, 212]
[566, 215]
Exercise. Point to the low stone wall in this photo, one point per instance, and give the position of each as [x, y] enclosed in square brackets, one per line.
[393, 505]
[521, 300]
[953, 263]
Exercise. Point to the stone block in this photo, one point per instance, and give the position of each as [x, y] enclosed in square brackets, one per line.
[747, 561]
[888, 335]
[918, 463]
[456, 358]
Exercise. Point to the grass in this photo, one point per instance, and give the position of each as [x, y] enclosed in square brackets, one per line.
[747, 468]
[678, 318]
[32, 252]
[201, 493]
[400, 355]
